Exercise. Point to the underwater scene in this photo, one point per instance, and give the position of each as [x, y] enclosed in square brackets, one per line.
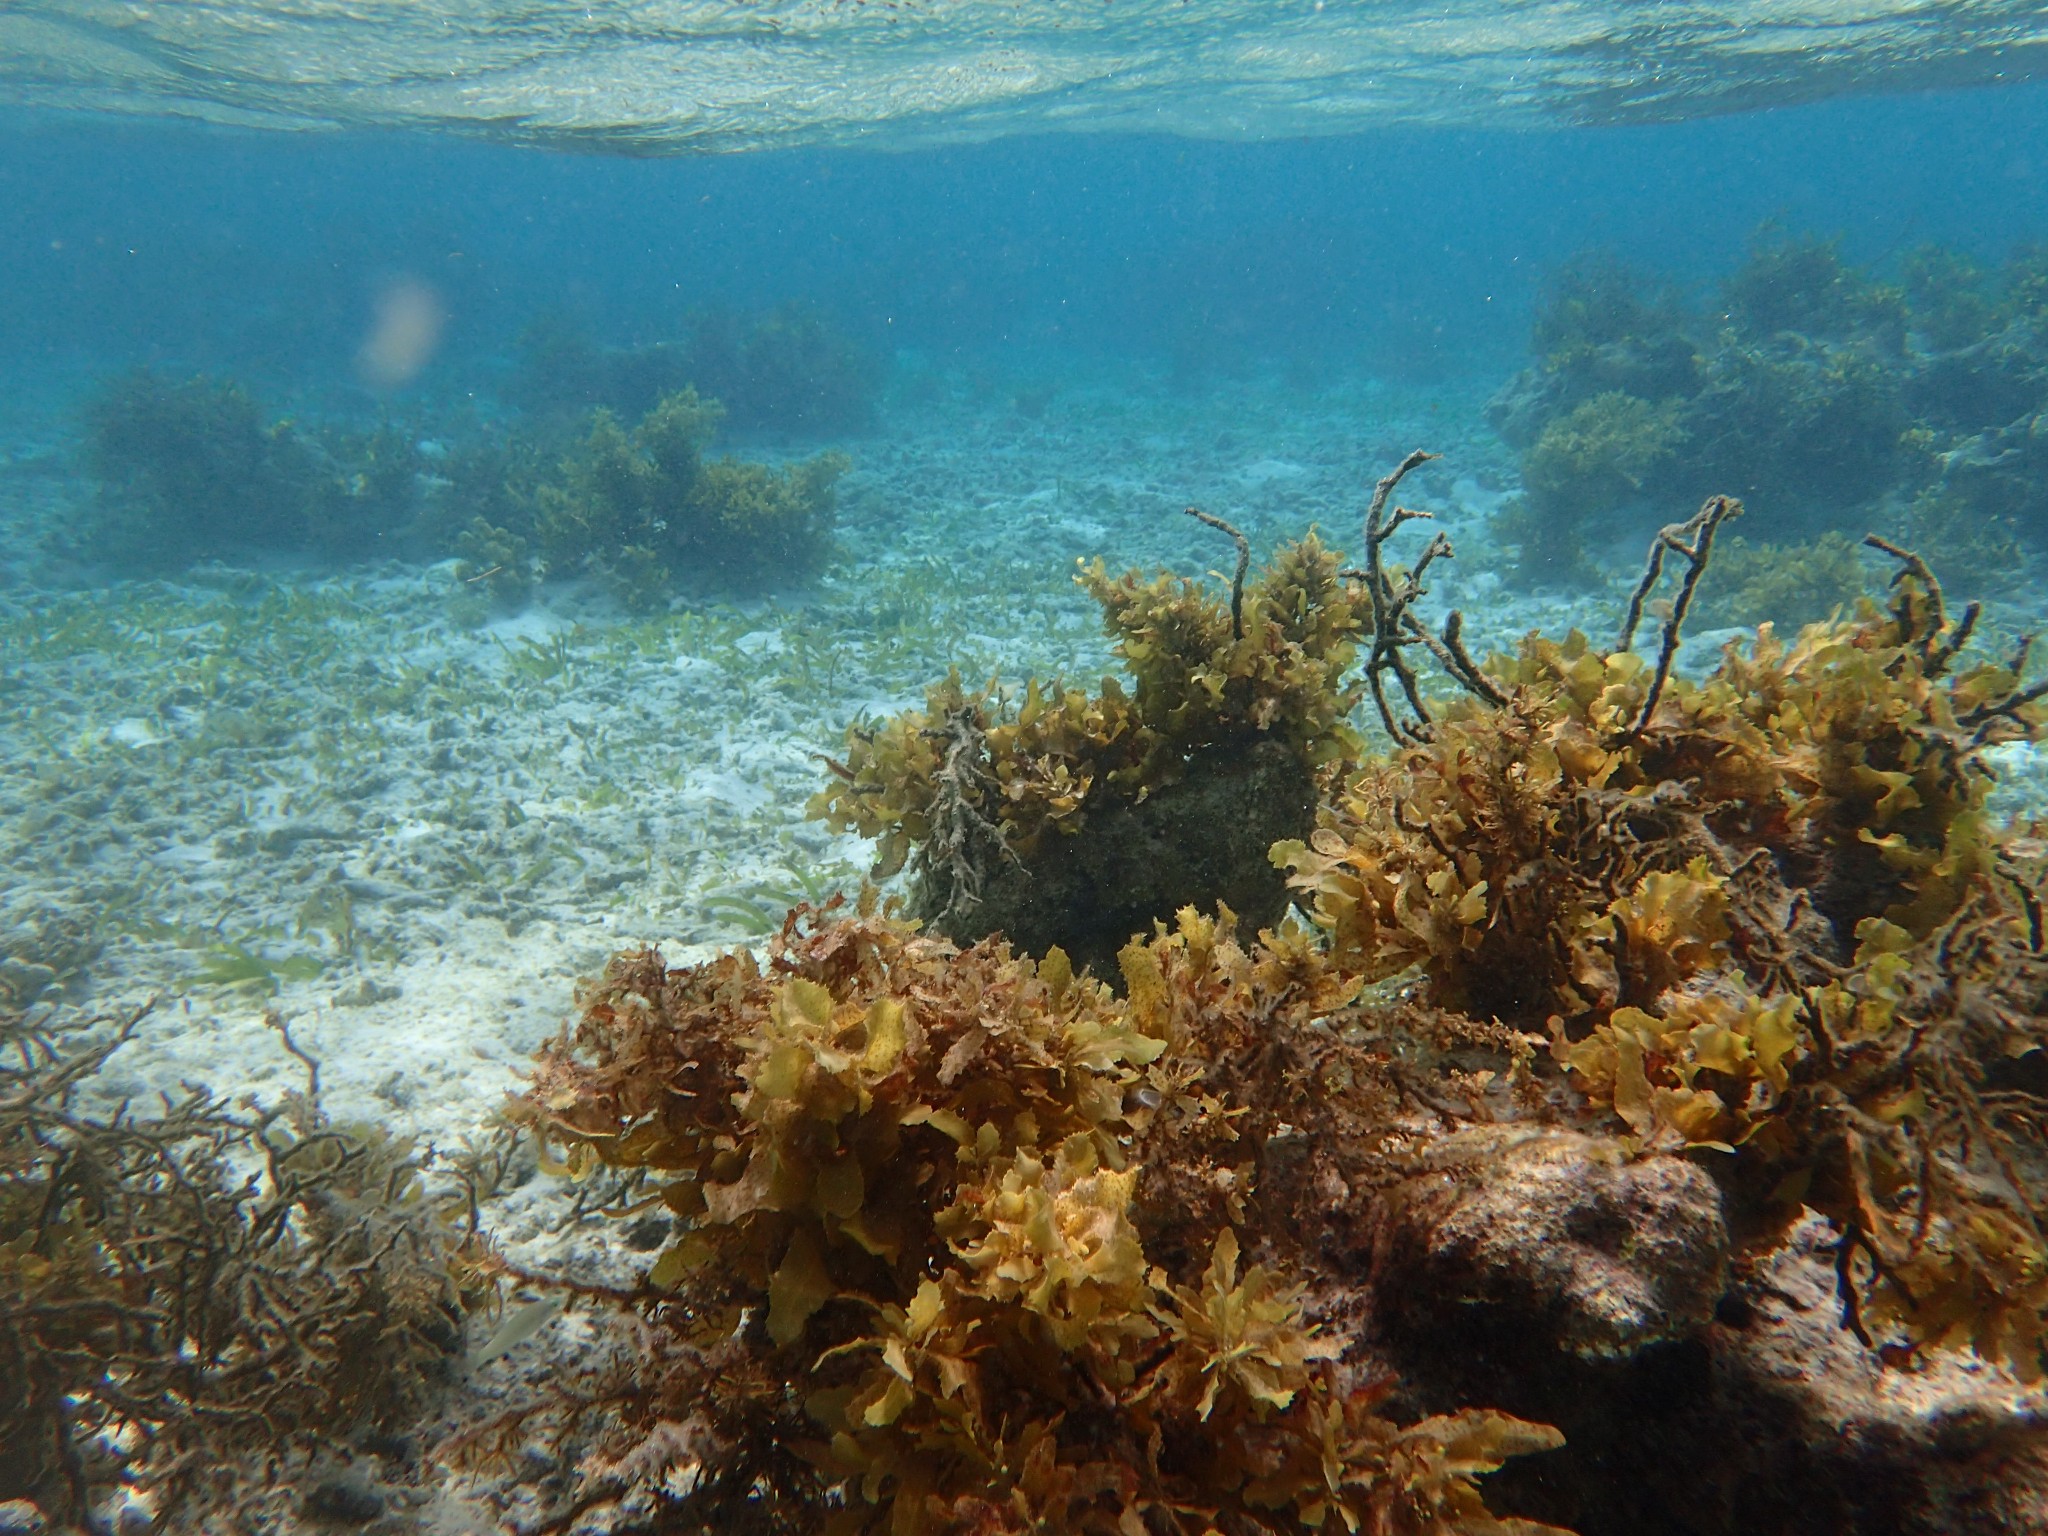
[804, 768]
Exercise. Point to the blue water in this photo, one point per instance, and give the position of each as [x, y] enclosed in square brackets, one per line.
[1403, 251]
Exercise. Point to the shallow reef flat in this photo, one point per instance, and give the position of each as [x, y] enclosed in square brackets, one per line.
[271, 798]
[320, 795]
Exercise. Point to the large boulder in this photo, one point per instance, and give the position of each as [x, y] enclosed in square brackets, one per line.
[1558, 1236]
[1549, 1275]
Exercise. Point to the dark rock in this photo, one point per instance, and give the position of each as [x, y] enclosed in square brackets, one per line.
[649, 1233]
[345, 1500]
[1201, 840]
[1553, 1282]
[1559, 1236]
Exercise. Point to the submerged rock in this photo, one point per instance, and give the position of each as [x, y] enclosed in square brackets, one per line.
[1199, 840]
[1548, 1277]
[1560, 1237]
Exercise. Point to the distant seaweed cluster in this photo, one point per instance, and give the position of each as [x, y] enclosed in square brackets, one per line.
[195, 468]
[961, 1236]
[643, 509]
[787, 372]
[1830, 399]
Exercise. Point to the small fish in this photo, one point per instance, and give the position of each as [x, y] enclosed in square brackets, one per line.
[520, 1326]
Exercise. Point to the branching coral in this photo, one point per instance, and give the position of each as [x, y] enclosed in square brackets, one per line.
[914, 1181]
[184, 1291]
[1392, 597]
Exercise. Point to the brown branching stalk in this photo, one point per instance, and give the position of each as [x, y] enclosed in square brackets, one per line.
[1694, 541]
[206, 1288]
[1939, 643]
[1394, 624]
[1244, 560]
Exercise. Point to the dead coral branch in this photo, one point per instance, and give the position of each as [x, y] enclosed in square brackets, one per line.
[1921, 612]
[1394, 624]
[1693, 539]
[1244, 559]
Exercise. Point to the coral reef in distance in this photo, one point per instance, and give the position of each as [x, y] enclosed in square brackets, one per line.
[1824, 396]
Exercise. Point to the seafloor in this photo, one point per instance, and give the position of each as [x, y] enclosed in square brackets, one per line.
[321, 795]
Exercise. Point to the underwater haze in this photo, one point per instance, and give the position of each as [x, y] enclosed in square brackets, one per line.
[907, 765]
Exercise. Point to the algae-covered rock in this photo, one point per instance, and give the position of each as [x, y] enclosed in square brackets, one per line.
[1815, 389]
[1769, 1416]
[913, 1181]
[1077, 819]
[1559, 1237]
[1202, 839]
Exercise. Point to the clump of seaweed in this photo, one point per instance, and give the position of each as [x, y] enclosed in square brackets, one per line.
[196, 1294]
[1603, 456]
[1029, 812]
[645, 510]
[1763, 913]
[562, 373]
[1789, 585]
[914, 1287]
[1802, 284]
[966, 1240]
[194, 468]
[790, 371]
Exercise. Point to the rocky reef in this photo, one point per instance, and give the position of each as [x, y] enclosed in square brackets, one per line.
[1826, 397]
[1646, 1119]
[1622, 1112]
